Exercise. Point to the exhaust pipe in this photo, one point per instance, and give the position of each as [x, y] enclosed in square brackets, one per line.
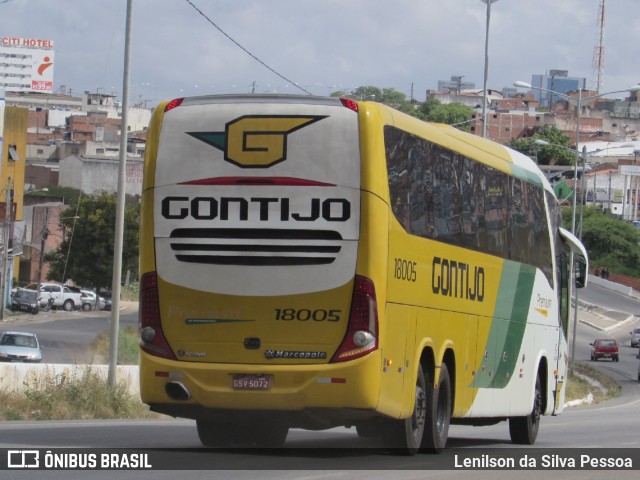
[177, 391]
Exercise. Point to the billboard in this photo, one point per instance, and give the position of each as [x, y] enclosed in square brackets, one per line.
[26, 64]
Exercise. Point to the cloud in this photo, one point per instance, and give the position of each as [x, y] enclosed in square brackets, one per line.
[402, 44]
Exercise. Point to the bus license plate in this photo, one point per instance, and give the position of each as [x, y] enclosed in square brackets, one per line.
[251, 382]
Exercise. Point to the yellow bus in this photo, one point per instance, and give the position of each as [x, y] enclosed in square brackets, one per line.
[311, 262]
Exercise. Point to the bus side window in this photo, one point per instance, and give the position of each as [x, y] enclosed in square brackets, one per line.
[581, 271]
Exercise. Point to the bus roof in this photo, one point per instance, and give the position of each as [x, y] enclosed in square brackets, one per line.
[481, 149]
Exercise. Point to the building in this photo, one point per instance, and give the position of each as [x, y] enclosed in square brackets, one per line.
[26, 64]
[41, 236]
[13, 142]
[558, 81]
[97, 174]
[470, 98]
[455, 85]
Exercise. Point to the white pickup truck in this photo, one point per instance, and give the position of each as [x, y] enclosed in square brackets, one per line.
[62, 297]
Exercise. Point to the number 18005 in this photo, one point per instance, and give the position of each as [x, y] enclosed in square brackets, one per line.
[405, 270]
[306, 314]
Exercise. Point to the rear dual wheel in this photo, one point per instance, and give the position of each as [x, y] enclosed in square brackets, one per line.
[428, 426]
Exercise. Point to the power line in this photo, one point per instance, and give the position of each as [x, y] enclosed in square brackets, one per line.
[244, 49]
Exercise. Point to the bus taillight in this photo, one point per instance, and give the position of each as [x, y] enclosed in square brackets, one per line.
[152, 339]
[173, 104]
[362, 332]
[350, 104]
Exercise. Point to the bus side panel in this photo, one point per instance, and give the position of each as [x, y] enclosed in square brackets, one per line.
[396, 393]
[446, 330]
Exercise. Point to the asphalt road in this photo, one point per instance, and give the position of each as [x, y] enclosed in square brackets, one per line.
[67, 337]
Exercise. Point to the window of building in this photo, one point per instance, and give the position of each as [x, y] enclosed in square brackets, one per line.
[13, 153]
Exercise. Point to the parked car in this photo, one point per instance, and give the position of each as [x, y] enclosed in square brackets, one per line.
[88, 298]
[20, 347]
[635, 337]
[61, 296]
[95, 300]
[25, 301]
[605, 348]
[107, 304]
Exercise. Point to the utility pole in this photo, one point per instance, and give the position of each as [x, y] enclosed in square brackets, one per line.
[486, 69]
[44, 234]
[120, 210]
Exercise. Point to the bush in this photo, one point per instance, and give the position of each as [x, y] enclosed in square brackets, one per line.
[81, 394]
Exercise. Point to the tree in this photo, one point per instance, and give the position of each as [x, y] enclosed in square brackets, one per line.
[433, 110]
[387, 96]
[552, 154]
[85, 254]
[610, 242]
[361, 93]
[425, 108]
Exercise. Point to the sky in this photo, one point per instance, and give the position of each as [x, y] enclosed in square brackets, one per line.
[321, 46]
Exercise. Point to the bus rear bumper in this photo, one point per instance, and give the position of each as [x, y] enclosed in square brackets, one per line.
[302, 392]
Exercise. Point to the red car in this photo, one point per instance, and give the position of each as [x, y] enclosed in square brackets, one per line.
[604, 348]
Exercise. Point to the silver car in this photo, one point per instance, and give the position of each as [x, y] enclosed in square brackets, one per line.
[635, 337]
[20, 347]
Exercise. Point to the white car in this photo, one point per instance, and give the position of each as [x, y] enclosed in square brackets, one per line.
[635, 337]
[91, 300]
[20, 347]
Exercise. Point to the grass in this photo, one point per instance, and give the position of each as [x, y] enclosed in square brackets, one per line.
[83, 394]
[128, 349]
[579, 388]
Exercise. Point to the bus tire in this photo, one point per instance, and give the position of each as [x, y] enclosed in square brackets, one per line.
[438, 418]
[213, 434]
[405, 435]
[524, 430]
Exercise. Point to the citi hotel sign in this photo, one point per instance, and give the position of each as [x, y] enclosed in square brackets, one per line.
[26, 42]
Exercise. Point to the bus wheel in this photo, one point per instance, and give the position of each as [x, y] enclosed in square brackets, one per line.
[524, 430]
[406, 435]
[213, 434]
[438, 416]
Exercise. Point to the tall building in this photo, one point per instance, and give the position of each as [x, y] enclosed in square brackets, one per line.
[558, 81]
[26, 64]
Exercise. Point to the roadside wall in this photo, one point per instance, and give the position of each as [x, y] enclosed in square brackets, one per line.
[611, 285]
[14, 376]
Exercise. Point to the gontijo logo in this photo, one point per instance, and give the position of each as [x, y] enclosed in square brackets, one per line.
[256, 141]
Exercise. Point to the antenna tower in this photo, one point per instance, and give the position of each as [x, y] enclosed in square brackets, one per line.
[597, 80]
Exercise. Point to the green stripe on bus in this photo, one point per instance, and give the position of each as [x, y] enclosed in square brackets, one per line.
[507, 327]
[516, 327]
[526, 175]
